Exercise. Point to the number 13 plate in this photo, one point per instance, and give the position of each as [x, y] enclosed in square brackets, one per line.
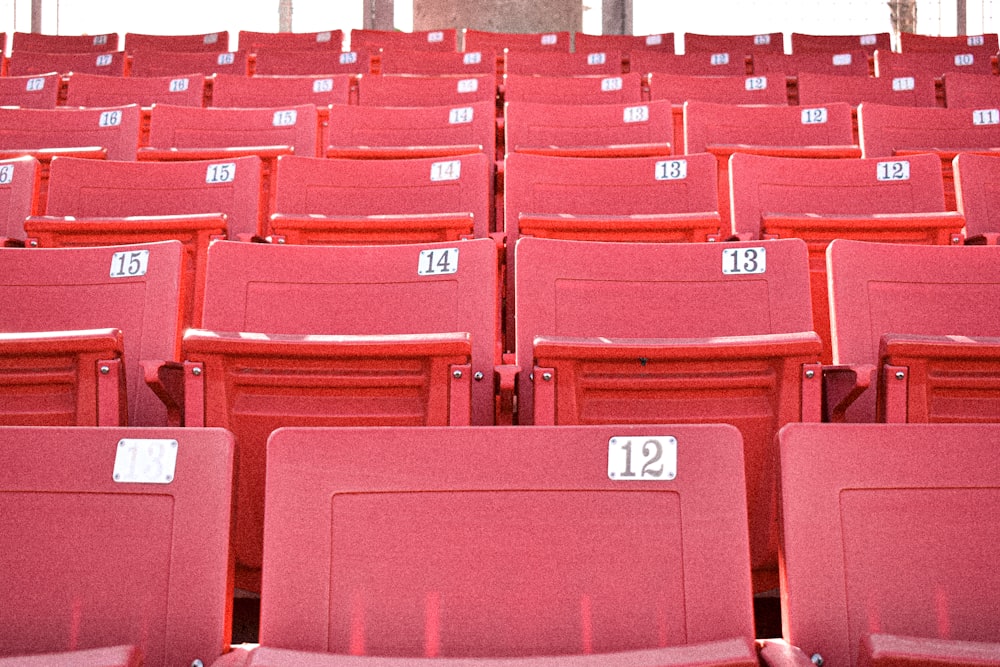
[642, 458]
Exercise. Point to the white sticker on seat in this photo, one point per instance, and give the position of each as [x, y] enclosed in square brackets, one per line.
[322, 85]
[986, 117]
[220, 173]
[435, 37]
[110, 119]
[461, 115]
[212, 38]
[6, 174]
[129, 264]
[756, 83]
[903, 83]
[896, 170]
[644, 458]
[35, 84]
[178, 85]
[145, 461]
[671, 170]
[611, 84]
[549, 40]
[438, 262]
[719, 59]
[472, 58]
[446, 171]
[964, 59]
[323, 37]
[100, 40]
[285, 118]
[815, 116]
[468, 85]
[226, 59]
[639, 114]
[596, 58]
[741, 261]
[761, 40]
[654, 40]
[868, 40]
[348, 58]
[842, 59]
[104, 60]
[975, 40]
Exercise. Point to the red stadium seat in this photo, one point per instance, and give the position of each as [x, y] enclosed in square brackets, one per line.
[620, 89]
[425, 91]
[740, 45]
[399, 61]
[97, 202]
[980, 44]
[416, 40]
[848, 63]
[179, 64]
[626, 44]
[325, 40]
[971, 91]
[912, 91]
[401, 132]
[109, 537]
[723, 129]
[491, 561]
[589, 130]
[888, 63]
[60, 306]
[20, 179]
[230, 90]
[495, 42]
[977, 192]
[731, 89]
[34, 92]
[597, 63]
[315, 336]
[98, 133]
[217, 133]
[888, 540]
[615, 333]
[920, 323]
[900, 201]
[691, 64]
[806, 43]
[23, 63]
[91, 90]
[355, 201]
[887, 131]
[38, 42]
[272, 61]
[212, 42]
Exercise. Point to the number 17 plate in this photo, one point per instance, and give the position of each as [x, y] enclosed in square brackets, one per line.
[642, 458]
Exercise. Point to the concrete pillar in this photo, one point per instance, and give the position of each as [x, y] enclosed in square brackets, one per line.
[284, 15]
[36, 15]
[616, 17]
[499, 15]
[380, 14]
[962, 25]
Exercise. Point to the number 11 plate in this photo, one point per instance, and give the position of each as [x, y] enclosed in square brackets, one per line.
[642, 458]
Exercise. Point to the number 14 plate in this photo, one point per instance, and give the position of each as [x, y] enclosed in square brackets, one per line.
[642, 458]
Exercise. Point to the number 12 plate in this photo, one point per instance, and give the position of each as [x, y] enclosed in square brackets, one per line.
[642, 458]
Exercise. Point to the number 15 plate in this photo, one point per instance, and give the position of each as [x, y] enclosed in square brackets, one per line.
[642, 458]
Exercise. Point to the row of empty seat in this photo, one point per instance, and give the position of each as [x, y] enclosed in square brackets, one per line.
[491, 41]
[114, 546]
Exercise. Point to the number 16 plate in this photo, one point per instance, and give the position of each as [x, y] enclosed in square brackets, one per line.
[642, 458]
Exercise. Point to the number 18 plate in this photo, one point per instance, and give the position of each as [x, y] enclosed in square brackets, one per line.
[642, 458]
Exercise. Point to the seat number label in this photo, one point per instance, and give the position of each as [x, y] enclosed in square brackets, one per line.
[642, 458]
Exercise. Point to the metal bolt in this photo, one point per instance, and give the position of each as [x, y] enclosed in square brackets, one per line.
[900, 375]
[280, 241]
[478, 377]
[817, 659]
[105, 370]
[34, 243]
[197, 663]
[810, 374]
[457, 374]
[196, 370]
[547, 377]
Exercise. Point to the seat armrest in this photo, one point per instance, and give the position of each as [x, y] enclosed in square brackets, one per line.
[779, 653]
[166, 379]
[841, 387]
[884, 650]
